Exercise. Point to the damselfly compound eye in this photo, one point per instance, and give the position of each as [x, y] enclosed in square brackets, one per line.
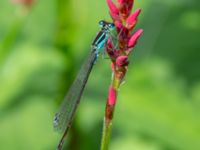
[101, 23]
[111, 26]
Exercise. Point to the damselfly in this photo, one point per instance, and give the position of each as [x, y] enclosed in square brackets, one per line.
[63, 118]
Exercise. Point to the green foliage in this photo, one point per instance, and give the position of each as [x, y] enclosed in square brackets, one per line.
[42, 49]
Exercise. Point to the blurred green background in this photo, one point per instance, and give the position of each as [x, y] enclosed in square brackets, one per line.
[42, 48]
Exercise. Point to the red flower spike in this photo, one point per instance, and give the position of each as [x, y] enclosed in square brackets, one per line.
[132, 41]
[112, 96]
[124, 23]
[122, 61]
[132, 19]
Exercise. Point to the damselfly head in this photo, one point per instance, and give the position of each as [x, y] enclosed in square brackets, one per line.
[106, 25]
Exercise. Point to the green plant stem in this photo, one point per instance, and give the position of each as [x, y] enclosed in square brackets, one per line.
[107, 127]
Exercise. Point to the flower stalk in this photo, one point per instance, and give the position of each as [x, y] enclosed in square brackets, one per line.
[125, 22]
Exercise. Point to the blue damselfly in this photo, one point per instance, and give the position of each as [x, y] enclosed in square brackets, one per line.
[63, 118]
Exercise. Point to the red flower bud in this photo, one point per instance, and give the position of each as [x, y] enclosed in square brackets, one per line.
[125, 7]
[112, 96]
[114, 12]
[122, 61]
[132, 19]
[132, 41]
